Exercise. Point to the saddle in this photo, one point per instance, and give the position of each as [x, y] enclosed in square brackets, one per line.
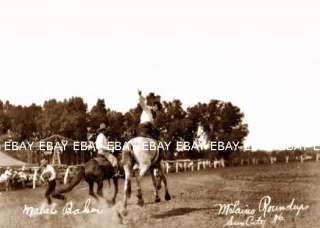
[147, 130]
[102, 160]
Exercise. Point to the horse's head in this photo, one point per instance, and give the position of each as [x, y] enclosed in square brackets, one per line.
[158, 178]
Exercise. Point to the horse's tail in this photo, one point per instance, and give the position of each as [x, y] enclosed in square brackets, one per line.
[127, 155]
[75, 181]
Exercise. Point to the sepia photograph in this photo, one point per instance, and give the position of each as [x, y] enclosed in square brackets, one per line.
[138, 114]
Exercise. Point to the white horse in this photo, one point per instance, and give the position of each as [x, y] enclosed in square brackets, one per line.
[142, 153]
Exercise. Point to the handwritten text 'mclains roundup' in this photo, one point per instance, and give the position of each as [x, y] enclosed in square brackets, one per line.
[254, 217]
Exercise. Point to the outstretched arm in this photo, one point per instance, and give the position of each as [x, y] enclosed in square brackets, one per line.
[41, 176]
[142, 100]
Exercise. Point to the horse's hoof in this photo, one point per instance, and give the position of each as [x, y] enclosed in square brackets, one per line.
[167, 197]
[157, 200]
[124, 212]
[111, 202]
[129, 191]
[140, 202]
[93, 195]
[119, 217]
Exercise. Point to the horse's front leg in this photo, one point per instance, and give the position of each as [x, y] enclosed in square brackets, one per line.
[100, 188]
[157, 198]
[91, 185]
[142, 172]
[127, 186]
[115, 182]
[164, 179]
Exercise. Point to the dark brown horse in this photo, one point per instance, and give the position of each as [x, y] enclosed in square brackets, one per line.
[95, 170]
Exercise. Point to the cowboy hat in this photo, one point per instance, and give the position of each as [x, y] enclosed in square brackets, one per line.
[153, 100]
[150, 99]
[102, 127]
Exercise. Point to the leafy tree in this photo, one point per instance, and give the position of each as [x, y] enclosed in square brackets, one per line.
[97, 114]
[130, 122]
[222, 121]
[21, 120]
[73, 119]
[115, 123]
[51, 116]
[4, 119]
[173, 124]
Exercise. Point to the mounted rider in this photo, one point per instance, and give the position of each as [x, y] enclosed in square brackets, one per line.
[150, 107]
[103, 148]
[136, 156]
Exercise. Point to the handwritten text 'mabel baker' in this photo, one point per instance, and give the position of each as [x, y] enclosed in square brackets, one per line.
[68, 210]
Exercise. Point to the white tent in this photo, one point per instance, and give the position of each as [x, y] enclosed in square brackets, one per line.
[6, 160]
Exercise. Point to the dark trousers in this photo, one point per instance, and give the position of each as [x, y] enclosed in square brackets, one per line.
[51, 192]
[50, 189]
[148, 130]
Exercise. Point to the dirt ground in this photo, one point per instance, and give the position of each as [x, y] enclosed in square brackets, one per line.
[195, 201]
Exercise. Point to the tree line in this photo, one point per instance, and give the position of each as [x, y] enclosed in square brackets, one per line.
[71, 118]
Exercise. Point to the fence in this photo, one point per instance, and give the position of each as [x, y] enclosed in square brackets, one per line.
[64, 172]
[192, 165]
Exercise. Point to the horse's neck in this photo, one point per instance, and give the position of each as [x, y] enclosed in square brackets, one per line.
[141, 154]
[141, 139]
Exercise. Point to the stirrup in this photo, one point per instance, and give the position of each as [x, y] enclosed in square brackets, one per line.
[116, 174]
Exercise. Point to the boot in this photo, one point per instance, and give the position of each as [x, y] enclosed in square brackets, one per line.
[49, 201]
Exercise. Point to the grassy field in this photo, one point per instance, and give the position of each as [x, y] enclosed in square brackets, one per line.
[195, 200]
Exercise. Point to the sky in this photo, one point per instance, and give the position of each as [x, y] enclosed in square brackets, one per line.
[263, 56]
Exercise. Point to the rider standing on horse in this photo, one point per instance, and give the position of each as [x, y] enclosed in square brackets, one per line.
[150, 107]
[103, 148]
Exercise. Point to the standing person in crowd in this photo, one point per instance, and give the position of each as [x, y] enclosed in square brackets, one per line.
[103, 148]
[7, 178]
[8, 172]
[49, 175]
[23, 176]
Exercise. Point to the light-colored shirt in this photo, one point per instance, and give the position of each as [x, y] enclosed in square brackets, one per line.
[48, 170]
[8, 173]
[146, 115]
[5, 176]
[101, 143]
[22, 175]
